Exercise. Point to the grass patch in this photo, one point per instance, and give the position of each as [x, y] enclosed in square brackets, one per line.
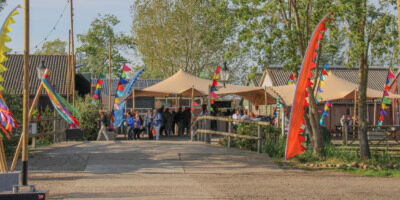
[383, 163]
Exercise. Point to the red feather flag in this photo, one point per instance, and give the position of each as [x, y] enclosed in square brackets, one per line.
[294, 139]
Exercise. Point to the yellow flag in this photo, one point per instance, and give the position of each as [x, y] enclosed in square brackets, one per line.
[321, 84]
[384, 106]
[117, 100]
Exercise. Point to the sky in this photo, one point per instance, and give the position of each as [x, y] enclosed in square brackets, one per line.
[45, 13]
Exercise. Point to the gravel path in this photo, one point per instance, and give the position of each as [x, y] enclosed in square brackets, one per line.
[183, 170]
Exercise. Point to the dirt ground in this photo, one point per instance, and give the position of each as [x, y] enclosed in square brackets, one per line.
[183, 170]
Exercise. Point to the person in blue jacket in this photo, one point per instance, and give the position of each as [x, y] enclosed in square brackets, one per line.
[129, 121]
[157, 122]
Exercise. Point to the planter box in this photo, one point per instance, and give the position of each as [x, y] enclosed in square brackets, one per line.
[74, 134]
[7, 180]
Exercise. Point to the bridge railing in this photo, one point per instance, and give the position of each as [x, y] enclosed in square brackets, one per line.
[201, 129]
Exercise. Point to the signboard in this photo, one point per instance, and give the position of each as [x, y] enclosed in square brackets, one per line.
[33, 128]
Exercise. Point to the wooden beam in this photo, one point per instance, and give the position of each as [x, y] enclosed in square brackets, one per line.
[34, 103]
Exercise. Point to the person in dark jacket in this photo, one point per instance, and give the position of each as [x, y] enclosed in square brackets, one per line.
[168, 122]
[174, 112]
[180, 121]
[187, 115]
[163, 121]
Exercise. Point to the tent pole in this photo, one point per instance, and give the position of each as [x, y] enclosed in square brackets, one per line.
[266, 100]
[133, 98]
[34, 103]
[109, 77]
[354, 114]
[176, 110]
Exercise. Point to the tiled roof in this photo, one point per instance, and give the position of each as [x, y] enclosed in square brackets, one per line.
[140, 84]
[13, 77]
[376, 75]
[257, 79]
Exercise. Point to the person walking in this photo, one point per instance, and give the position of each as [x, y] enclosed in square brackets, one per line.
[148, 124]
[103, 125]
[137, 126]
[157, 119]
[129, 122]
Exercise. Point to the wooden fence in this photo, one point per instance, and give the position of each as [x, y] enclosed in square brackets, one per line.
[201, 130]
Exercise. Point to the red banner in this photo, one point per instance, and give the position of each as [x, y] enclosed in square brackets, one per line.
[296, 127]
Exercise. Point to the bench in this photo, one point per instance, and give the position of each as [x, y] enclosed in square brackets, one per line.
[74, 134]
[377, 135]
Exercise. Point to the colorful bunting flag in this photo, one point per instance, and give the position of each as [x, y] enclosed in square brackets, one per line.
[98, 86]
[213, 88]
[63, 108]
[120, 89]
[385, 100]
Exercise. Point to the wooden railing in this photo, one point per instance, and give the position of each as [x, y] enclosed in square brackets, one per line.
[200, 128]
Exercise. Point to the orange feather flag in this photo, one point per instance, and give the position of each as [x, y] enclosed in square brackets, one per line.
[294, 139]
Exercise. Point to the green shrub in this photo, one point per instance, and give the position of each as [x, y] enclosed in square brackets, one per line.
[89, 116]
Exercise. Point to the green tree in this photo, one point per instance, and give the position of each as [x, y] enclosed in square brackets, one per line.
[55, 47]
[189, 35]
[89, 116]
[95, 44]
[280, 31]
[372, 33]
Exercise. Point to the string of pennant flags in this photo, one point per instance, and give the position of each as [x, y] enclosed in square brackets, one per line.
[214, 88]
[98, 87]
[327, 105]
[120, 89]
[291, 80]
[385, 101]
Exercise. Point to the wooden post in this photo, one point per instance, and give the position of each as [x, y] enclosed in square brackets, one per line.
[266, 100]
[21, 140]
[3, 163]
[25, 107]
[283, 120]
[133, 98]
[354, 114]
[229, 143]
[69, 68]
[109, 77]
[375, 108]
[259, 139]
[191, 107]
[176, 110]
[72, 52]
[345, 134]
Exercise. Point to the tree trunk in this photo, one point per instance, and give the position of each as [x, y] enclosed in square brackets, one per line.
[362, 108]
[362, 90]
[314, 122]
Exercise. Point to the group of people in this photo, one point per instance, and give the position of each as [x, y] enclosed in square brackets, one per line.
[348, 121]
[162, 121]
[157, 122]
